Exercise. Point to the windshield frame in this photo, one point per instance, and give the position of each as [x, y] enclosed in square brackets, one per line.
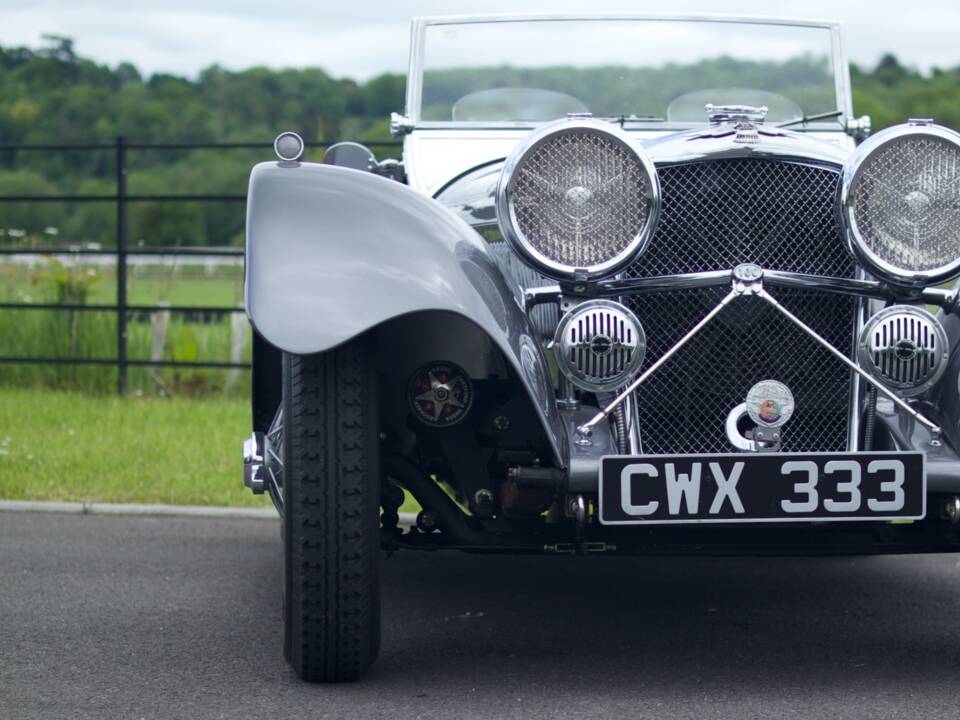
[418, 31]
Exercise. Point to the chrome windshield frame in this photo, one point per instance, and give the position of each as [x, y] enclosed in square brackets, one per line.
[419, 25]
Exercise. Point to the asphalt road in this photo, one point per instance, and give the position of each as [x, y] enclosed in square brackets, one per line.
[113, 617]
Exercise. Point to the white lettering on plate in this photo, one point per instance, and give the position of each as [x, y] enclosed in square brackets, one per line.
[681, 486]
[626, 501]
[726, 488]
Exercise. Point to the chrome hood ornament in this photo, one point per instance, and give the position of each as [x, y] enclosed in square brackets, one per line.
[743, 121]
[719, 114]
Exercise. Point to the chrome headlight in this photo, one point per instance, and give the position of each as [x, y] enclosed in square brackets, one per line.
[578, 195]
[901, 200]
[905, 348]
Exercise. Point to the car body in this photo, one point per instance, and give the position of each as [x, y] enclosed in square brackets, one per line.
[604, 306]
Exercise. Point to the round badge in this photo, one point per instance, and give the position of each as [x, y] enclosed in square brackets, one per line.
[770, 403]
[440, 394]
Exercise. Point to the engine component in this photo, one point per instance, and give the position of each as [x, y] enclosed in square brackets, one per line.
[440, 394]
[599, 345]
[518, 500]
[578, 196]
[901, 203]
[904, 347]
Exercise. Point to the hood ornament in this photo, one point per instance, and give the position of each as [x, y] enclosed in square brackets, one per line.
[744, 118]
[718, 114]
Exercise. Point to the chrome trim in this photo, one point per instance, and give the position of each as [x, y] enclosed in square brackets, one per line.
[541, 295]
[400, 125]
[864, 354]
[505, 210]
[838, 60]
[879, 267]
[634, 439]
[946, 299]
[706, 145]
[660, 283]
[855, 400]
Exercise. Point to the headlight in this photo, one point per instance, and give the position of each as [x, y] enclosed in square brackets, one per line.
[901, 200]
[578, 195]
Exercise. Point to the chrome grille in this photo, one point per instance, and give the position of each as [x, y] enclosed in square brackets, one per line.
[716, 215]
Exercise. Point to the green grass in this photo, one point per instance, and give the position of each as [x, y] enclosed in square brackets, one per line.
[68, 446]
[92, 334]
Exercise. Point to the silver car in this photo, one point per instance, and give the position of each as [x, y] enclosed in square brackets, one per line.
[639, 284]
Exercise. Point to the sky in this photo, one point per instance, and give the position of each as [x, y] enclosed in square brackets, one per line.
[365, 38]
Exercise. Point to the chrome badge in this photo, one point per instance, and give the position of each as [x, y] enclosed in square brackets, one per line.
[770, 403]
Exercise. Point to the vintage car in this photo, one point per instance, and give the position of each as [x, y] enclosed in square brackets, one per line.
[639, 284]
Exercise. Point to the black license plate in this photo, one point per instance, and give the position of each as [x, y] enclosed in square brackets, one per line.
[768, 487]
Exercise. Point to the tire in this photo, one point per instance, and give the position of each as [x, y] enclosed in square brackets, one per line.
[331, 519]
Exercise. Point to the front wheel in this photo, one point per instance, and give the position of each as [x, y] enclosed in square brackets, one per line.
[331, 482]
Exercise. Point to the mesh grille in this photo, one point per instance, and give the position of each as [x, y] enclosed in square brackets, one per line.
[580, 198]
[716, 215]
[907, 202]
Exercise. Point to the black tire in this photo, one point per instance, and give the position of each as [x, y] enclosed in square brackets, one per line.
[331, 513]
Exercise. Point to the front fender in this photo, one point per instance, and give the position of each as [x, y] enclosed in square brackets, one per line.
[333, 252]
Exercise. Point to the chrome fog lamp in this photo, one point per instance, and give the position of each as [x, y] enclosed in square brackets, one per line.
[901, 203]
[905, 348]
[599, 345]
[578, 195]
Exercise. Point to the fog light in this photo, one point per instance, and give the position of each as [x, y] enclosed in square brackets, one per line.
[599, 345]
[905, 348]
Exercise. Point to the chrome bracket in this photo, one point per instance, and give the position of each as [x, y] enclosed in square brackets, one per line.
[253, 475]
[400, 124]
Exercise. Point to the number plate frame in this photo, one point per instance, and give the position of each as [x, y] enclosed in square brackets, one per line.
[761, 485]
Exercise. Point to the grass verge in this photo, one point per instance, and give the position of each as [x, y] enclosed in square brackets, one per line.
[68, 446]
[75, 447]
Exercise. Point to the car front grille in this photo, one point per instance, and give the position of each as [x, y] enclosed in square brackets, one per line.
[716, 215]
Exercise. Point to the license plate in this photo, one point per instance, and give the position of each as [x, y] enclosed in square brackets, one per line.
[765, 487]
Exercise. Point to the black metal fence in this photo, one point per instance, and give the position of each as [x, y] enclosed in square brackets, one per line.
[121, 199]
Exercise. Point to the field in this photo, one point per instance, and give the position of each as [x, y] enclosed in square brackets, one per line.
[214, 337]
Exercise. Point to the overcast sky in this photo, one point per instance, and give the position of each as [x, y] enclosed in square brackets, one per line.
[361, 38]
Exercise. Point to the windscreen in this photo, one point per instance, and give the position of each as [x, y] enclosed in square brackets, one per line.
[639, 70]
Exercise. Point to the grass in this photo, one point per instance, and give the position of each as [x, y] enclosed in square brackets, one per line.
[176, 451]
[92, 334]
[68, 446]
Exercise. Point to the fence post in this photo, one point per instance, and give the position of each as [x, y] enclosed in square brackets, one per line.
[121, 265]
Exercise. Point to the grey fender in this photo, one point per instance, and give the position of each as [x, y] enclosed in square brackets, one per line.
[333, 252]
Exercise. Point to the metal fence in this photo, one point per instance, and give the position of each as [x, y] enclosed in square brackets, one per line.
[122, 199]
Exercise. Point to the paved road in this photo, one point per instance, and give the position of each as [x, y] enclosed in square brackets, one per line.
[111, 617]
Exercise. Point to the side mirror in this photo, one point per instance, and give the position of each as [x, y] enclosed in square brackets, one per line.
[350, 155]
